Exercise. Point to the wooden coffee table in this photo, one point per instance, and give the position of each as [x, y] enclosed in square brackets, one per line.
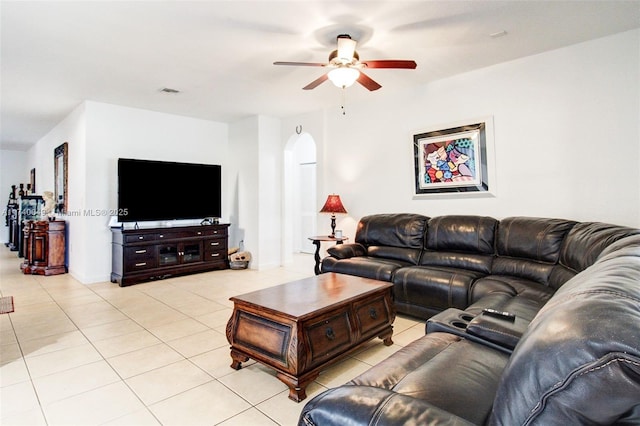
[301, 327]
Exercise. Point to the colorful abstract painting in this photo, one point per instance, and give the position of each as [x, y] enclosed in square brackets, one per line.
[451, 160]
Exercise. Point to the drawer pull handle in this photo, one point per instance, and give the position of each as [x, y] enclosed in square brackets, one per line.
[215, 254]
[161, 236]
[141, 237]
[330, 334]
[141, 264]
[199, 233]
[215, 244]
[372, 313]
[140, 251]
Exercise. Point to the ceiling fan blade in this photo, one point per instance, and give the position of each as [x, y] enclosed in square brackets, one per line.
[390, 63]
[302, 64]
[317, 82]
[367, 82]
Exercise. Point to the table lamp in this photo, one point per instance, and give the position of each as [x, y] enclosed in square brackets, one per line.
[333, 205]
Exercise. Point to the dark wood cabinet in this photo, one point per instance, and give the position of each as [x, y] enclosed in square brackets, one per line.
[44, 247]
[154, 253]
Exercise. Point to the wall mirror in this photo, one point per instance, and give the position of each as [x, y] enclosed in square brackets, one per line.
[60, 155]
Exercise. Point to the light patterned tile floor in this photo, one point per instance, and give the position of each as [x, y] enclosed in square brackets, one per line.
[149, 354]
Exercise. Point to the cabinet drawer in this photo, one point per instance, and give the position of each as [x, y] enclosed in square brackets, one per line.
[221, 232]
[215, 255]
[372, 314]
[137, 238]
[170, 235]
[216, 244]
[329, 336]
[138, 258]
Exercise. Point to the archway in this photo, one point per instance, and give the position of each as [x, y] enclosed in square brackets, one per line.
[299, 196]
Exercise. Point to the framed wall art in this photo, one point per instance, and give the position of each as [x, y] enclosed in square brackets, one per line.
[61, 173]
[452, 159]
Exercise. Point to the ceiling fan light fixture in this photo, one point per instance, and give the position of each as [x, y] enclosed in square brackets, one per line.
[343, 77]
[346, 48]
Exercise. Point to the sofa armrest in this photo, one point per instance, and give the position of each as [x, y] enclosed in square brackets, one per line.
[497, 330]
[345, 251]
[366, 405]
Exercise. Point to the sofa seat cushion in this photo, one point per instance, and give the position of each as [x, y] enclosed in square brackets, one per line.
[433, 288]
[520, 296]
[364, 266]
[470, 261]
[444, 370]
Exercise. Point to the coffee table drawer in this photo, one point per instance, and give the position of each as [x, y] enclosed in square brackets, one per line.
[372, 314]
[329, 336]
[262, 336]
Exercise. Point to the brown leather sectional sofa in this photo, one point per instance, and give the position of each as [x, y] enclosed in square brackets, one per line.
[529, 321]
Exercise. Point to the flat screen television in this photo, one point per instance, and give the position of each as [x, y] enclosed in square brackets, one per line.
[162, 190]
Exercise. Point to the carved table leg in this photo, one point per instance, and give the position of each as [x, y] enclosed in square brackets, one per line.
[297, 386]
[317, 257]
[238, 359]
[386, 337]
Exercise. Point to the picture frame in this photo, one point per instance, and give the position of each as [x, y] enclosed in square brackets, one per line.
[453, 160]
[32, 180]
[61, 172]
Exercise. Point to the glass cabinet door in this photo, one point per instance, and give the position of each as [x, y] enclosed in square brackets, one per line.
[192, 253]
[168, 255]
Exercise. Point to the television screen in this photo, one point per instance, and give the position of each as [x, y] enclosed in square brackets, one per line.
[162, 190]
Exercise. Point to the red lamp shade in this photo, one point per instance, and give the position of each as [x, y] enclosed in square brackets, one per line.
[333, 205]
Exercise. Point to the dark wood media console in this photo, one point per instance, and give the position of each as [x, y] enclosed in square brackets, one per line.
[154, 253]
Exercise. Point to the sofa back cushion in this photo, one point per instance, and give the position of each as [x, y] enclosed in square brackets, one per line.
[579, 360]
[460, 242]
[396, 230]
[583, 245]
[467, 234]
[393, 236]
[529, 247]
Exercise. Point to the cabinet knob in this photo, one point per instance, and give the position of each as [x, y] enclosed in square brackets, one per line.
[330, 334]
[372, 313]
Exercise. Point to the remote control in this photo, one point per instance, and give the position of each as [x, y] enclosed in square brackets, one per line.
[500, 314]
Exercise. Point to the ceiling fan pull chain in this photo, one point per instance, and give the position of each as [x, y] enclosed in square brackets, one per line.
[344, 98]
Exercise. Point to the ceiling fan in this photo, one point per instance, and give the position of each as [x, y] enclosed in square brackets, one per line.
[346, 66]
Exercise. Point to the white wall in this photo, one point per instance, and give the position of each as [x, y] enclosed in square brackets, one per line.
[256, 148]
[13, 171]
[566, 132]
[244, 181]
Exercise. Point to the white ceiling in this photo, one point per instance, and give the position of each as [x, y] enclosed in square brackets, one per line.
[220, 54]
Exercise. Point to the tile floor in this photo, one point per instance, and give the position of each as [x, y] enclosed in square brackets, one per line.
[148, 354]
